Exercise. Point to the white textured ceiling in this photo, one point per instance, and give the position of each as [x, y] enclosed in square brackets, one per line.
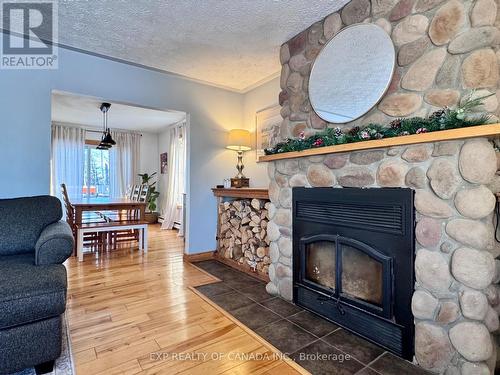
[229, 43]
[83, 110]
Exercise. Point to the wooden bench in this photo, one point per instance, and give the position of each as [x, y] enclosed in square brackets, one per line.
[141, 226]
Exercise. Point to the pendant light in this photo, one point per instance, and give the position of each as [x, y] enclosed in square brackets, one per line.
[107, 140]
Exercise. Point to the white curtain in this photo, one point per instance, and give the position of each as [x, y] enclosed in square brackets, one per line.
[124, 161]
[176, 178]
[67, 160]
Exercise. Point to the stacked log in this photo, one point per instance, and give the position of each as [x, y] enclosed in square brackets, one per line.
[243, 235]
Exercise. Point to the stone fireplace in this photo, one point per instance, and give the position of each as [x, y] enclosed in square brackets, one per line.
[444, 49]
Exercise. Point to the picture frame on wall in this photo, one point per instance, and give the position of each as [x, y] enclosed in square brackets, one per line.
[164, 163]
[267, 128]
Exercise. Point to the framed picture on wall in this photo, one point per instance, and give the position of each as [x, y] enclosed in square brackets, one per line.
[267, 128]
[164, 163]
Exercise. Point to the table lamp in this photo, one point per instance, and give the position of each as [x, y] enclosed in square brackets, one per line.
[239, 140]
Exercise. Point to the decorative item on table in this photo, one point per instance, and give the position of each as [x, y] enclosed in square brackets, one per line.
[267, 128]
[164, 163]
[239, 140]
[444, 119]
[227, 183]
[151, 216]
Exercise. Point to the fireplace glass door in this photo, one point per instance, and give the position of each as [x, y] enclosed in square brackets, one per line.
[344, 269]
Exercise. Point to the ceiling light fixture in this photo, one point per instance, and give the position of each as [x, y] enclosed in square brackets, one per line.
[107, 140]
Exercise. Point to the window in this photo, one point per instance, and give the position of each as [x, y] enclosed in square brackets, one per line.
[96, 172]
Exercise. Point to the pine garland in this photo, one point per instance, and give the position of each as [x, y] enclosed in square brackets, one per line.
[443, 119]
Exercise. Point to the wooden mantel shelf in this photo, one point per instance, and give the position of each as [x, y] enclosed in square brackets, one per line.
[241, 193]
[443, 135]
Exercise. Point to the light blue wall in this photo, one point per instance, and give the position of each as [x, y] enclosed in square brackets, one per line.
[25, 121]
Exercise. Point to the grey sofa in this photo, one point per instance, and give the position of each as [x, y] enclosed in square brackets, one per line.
[34, 243]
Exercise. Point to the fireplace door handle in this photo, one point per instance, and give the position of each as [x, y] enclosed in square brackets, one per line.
[338, 304]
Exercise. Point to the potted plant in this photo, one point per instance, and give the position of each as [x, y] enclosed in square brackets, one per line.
[151, 215]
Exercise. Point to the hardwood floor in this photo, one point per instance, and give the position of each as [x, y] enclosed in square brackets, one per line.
[135, 313]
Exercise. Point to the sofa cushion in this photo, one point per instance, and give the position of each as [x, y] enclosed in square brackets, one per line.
[29, 292]
[23, 219]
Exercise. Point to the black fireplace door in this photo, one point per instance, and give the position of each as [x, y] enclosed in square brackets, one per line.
[346, 270]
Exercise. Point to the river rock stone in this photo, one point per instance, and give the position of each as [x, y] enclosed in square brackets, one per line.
[446, 22]
[490, 104]
[298, 63]
[297, 43]
[442, 98]
[472, 39]
[475, 203]
[382, 7]
[273, 232]
[469, 368]
[491, 320]
[410, 52]
[423, 305]
[392, 173]
[470, 232]
[271, 210]
[288, 167]
[298, 180]
[281, 179]
[285, 72]
[285, 246]
[285, 288]
[428, 232]
[366, 157]
[449, 148]
[432, 347]
[417, 154]
[274, 252]
[428, 204]
[298, 129]
[422, 73]
[446, 247]
[448, 312]
[285, 197]
[480, 69]
[473, 268]
[448, 74]
[474, 304]
[356, 177]
[401, 10]
[284, 54]
[283, 217]
[472, 340]
[415, 178]
[271, 288]
[355, 11]
[478, 161]
[425, 5]
[483, 13]
[410, 29]
[384, 24]
[332, 25]
[274, 192]
[432, 271]
[320, 175]
[400, 104]
[336, 161]
[294, 82]
[444, 178]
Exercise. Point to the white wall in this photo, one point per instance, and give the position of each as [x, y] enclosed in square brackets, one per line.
[259, 98]
[163, 146]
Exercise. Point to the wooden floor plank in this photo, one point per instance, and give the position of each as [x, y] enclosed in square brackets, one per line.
[125, 307]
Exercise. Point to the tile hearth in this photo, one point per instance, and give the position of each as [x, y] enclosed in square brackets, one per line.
[297, 332]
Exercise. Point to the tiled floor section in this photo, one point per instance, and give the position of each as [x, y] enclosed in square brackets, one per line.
[317, 345]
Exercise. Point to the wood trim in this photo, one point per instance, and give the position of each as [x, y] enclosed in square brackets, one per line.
[241, 193]
[92, 142]
[252, 333]
[245, 268]
[190, 258]
[443, 135]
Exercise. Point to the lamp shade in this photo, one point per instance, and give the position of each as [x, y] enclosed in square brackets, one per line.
[239, 140]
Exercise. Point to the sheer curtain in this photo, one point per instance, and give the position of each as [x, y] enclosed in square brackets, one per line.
[176, 177]
[67, 160]
[124, 159]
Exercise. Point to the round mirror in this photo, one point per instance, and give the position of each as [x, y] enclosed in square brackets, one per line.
[352, 73]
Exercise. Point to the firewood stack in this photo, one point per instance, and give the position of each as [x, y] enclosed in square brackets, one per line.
[242, 233]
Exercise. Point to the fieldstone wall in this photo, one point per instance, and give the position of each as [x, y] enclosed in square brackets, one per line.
[456, 299]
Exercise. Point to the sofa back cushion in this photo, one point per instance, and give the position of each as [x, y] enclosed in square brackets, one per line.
[23, 219]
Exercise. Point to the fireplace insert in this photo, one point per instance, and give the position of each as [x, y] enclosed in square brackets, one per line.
[353, 255]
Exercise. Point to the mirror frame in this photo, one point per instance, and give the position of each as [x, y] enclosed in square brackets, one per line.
[383, 92]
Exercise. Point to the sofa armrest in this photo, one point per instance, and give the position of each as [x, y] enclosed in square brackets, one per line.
[55, 244]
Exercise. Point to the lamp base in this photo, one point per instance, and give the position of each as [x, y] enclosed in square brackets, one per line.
[240, 182]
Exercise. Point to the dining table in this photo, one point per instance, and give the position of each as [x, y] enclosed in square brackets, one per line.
[107, 204]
